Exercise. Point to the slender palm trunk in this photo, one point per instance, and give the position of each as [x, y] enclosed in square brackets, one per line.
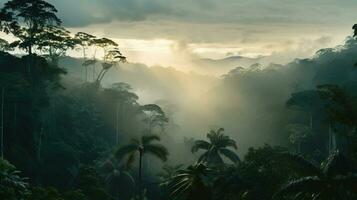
[140, 175]
[2, 121]
[30, 49]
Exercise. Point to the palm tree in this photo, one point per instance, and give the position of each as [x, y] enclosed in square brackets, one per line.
[120, 182]
[190, 184]
[336, 178]
[218, 145]
[143, 146]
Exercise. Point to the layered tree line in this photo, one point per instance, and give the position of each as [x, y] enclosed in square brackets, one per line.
[88, 142]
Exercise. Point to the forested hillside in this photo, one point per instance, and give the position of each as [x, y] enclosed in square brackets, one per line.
[99, 127]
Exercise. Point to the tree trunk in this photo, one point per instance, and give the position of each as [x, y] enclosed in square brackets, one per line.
[102, 74]
[2, 121]
[99, 76]
[30, 49]
[140, 178]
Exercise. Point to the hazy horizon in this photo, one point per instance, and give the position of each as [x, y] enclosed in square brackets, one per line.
[180, 34]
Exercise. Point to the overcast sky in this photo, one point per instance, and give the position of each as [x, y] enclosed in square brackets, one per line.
[169, 29]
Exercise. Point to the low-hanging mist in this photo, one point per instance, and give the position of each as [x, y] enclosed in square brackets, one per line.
[249, 102]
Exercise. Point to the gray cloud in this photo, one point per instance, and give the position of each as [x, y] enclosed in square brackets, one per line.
[256, 26]
[85, 12]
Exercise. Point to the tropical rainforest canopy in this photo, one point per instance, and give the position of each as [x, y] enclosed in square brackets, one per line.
[89, 127]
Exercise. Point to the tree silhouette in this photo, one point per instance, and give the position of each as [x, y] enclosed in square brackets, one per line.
[154, 117]
[25, 19]
[121, 96]
[111, 58]
[86, 40]
[355, 30]
[143, 146]
[218, 145]
[336, 178]
[5, 45]
[119, 181]
[54, 42]
[105, 43]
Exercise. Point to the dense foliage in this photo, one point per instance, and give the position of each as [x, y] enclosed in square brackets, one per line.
[79, 140]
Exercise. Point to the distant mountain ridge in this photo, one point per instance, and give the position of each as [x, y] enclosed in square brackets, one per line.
[224, 65]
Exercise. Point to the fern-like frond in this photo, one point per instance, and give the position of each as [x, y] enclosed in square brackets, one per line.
[157, 150]
[200, 144]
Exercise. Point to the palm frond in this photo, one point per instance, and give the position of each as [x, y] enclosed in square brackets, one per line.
[200, 144]
[213, 157]
[157, 150]
[230, 155]
[227, 142]
[130, 160]
[182, 184]
[146, 139]
[338, 164]
[310, 184]
[220, 130]
[203, 158]
[124, 150]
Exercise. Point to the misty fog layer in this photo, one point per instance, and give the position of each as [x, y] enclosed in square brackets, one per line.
[249, 102]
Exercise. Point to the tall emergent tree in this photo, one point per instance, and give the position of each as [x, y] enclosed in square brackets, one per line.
[218, 145]
[86, 40]
[142, 147]
[111, 58]
[26, 19]
[54, 41]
